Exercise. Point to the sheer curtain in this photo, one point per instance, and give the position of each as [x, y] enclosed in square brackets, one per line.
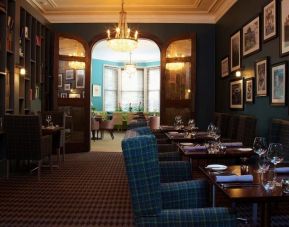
[154, 81]
[132, 90]
[110, 82]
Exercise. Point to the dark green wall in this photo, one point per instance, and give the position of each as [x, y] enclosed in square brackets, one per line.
[205, 54]
[235, 18]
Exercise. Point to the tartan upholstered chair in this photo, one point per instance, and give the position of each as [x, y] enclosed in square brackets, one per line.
[24, 140]
[166, 204]
[57, 118]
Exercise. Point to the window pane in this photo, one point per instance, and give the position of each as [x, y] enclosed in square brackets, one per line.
[133, 98]
[110, 100]
[154, 101]
[154, 79]
[132, 82]
[110, 88]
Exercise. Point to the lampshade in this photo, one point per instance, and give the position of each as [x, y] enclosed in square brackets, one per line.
[122, 40]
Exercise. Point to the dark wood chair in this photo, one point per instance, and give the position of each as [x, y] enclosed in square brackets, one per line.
[24, 140]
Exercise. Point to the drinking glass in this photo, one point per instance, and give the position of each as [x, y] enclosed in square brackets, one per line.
[268, 180]
[48, 119]
[216, 133]
[211, 128]
[260, 145]
[275, 155]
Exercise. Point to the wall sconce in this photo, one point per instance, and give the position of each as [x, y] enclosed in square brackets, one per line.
[22, 71]
[238, 73]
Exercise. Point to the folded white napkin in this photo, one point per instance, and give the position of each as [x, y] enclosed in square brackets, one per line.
[233, 144]
[194, 148]
[234, 178]
[282, 170]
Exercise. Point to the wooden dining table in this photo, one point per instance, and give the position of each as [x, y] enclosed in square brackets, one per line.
[252, 192]
[179, 137]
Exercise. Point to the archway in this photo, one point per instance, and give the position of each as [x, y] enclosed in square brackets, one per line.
[116, 90]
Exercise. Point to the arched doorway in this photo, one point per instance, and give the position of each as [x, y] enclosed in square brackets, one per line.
[118, 89]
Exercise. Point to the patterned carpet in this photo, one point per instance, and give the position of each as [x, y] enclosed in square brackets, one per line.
[90, 189]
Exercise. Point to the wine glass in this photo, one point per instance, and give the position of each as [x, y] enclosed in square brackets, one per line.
[216, 133]
[210, 129]
[276, 155]
[260, 145]
[48, 119]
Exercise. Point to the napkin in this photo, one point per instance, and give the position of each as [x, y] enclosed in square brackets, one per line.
[195, 148]
[233, 144]
[234, 178]
[282, 170]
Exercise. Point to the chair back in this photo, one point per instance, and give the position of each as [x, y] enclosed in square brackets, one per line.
[142, 168]
[154, 122]
[117, 116]
[94, 124]
[233, 127]
[23, 137]
[107, 124]
[246, 130]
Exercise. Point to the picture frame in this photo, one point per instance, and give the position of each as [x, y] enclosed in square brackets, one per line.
[270, 21]
[262, 77]
[96, 90]
[235, 51]
[67, 87]
[251, 37]
[74, 96]
[60, 80]
[69, 74]
[225, 67]
[79, 78]
[237, 94]
[249, 90]
[63, 95]
[278, 95]
[284, 28]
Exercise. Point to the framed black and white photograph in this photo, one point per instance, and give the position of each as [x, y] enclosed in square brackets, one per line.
[278, 84]
[66, 87]
[284, 39]
[79, 77]
[225, 67]
[69, 74]
[249, 90]
[59, 80]
[261, 75]
[236, 94]
[270, 21]
[235, 51]
[251, 37]
[63, 95]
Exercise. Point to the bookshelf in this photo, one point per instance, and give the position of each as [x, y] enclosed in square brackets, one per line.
[24, 44]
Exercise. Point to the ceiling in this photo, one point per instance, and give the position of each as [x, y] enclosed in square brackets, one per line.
[139, 11]
[147, 51]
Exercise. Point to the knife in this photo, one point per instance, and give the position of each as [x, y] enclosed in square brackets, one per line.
[239, 185]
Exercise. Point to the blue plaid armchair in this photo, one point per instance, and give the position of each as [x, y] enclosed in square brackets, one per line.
[166, 204]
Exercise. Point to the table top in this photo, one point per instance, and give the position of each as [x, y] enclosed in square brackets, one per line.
[254, 193]
[232, 152]
[180, 137]
[51, 129]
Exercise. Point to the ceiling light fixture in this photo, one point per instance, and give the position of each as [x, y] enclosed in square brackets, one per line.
[122, 39]
[130, 68]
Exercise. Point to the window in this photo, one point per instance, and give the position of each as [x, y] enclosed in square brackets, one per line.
[140, 91]
[110, 88]
[154, 84]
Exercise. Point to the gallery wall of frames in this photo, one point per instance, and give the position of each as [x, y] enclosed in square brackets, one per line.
[252, 52]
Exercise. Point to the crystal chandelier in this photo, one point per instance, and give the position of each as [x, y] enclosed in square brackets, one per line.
[122, 39]
[130, 68]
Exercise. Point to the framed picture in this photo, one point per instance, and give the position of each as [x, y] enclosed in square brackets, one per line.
[284, 39]
[69, 74]
[63, 95]
[251, 37]
[235, 51]
[270, 21]
[236, 94]
[59, 80]
[249, 90]
[225, 67]
[261, 75]
[80, 75]
[96, 90]
[278, 84]
[74, 96]
[66, 87]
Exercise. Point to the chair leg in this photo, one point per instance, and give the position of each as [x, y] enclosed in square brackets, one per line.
[50, 162]
[39, 169]
[111, 134]
[58, 156]
[7, 168]
[63, 153]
